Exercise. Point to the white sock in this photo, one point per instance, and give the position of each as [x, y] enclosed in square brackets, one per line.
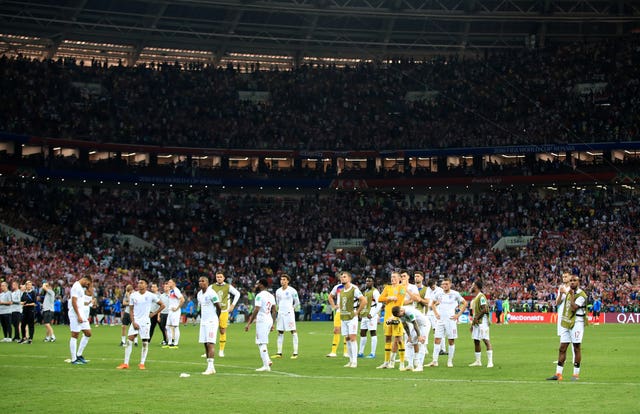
[576, 371]
[363, 344]
[280, 341]
[123, 339]
[144, 351]
[354, 352]
[408, 354]
[264, 354]
[127, 351]
[559, 369]
[422, 351]
[479, 356]
[436, 351]
[169, 336]
[177, 335]
[209, 364]
[83, 344]
[374, 344]
[452, 351]
[490, 356]
[295, 343]
[73, 344]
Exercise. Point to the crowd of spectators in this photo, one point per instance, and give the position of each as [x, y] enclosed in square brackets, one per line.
[583, 93]
[590, 232]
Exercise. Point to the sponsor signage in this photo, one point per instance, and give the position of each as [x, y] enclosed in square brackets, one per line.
[618, 317]
[543, 317]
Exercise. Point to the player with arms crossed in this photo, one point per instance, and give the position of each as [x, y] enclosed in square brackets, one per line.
[264, 311]
[444, 306]
[480, 325]
[287, 301]
[140, 302]
[209, 313]
[369, 319]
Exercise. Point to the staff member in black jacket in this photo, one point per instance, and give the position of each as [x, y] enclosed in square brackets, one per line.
[29, 298]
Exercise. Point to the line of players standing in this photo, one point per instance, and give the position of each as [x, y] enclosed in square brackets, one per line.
[411, 311]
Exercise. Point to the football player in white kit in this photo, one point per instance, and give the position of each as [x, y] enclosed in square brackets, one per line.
[176, 299]
[287, 300]
[209, 317]
[444, 306]
[77, 319]
[263, 314]
[417, 328]
[409, 300]
[140, 302]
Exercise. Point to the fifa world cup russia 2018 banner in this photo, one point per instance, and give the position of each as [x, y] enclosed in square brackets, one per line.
[618, 317]
[539, 317]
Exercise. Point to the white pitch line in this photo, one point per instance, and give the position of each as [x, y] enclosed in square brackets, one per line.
[334, 378]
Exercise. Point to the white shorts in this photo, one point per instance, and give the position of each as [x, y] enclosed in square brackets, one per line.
[262, 332]
[78, 327]
[432, 318]
[208, 332]
[446, 327]
[573, 335]
[369, 324]
[173, 318]
[349, 326]
[480, 332]
[412, 335]
[143, 332]
[286, 321]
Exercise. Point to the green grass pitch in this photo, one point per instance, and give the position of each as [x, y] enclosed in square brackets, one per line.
[36, 378]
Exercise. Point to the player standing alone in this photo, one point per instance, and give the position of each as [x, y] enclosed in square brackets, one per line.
[480, 325]
[287, 301]
[209, 313]
[263, 314]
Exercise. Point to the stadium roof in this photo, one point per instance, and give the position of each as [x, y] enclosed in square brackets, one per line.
[288, 32]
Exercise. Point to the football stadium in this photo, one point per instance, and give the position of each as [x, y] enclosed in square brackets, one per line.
[320, 205]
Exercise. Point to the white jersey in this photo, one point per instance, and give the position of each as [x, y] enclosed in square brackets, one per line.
[141, 304]
[411, 314]
[447, 303]
[265, 301]
[411, 289]
[560, 310]
[287, 299]
[86, 306]
[431, 295]
[207, 301]
[77, 291]
[174, 299]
